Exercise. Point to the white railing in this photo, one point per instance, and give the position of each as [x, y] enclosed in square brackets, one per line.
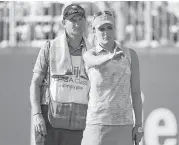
[148, 23]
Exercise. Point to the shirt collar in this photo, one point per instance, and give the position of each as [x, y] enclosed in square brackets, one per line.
[82, 44]
[99, 48]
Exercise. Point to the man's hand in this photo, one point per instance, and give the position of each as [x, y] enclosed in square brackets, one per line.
[39, 124]
[137, 133]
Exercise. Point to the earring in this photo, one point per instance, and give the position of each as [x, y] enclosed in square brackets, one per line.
[63, 22]
[94, 30]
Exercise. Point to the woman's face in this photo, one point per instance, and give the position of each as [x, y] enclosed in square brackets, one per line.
[105, 34]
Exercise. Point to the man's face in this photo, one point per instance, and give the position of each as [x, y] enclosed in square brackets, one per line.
[75, 25]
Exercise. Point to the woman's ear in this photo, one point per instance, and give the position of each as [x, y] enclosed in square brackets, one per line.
[63, 22]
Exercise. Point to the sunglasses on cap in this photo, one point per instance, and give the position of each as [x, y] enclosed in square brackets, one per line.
[102, 13]
[75, 10]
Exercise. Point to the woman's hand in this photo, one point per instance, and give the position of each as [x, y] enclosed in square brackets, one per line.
[119, 54]
[137, 133]
[116, 54]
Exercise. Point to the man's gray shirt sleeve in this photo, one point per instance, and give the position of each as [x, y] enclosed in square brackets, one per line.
[42, 61]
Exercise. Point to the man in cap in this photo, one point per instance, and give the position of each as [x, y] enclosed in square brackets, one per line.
[60, 66]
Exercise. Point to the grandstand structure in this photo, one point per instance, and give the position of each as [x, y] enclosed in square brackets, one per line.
[31, 23]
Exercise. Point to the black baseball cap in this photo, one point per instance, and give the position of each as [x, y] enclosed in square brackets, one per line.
[71, 10]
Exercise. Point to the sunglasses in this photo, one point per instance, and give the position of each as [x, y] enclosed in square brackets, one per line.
[102, 13]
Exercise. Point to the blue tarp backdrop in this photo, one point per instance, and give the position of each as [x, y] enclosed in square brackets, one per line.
[159, 83]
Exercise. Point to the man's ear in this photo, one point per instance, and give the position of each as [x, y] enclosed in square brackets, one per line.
[94, 30]
[114, 26]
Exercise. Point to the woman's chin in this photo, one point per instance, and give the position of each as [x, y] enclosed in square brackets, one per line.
[107, 41]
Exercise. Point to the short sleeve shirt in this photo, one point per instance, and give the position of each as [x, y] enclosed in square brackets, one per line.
[42, 63]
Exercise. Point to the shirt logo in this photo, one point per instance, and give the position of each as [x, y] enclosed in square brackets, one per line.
[76, 71]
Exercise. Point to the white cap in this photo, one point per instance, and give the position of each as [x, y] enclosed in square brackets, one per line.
[103, 18]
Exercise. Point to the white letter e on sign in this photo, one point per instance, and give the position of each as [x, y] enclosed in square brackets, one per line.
[153, 129]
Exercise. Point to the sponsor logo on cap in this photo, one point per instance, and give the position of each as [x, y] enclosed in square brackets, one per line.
[74, 7]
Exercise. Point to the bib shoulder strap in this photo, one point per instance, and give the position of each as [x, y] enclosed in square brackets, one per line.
[48, 47]
[48, 70]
